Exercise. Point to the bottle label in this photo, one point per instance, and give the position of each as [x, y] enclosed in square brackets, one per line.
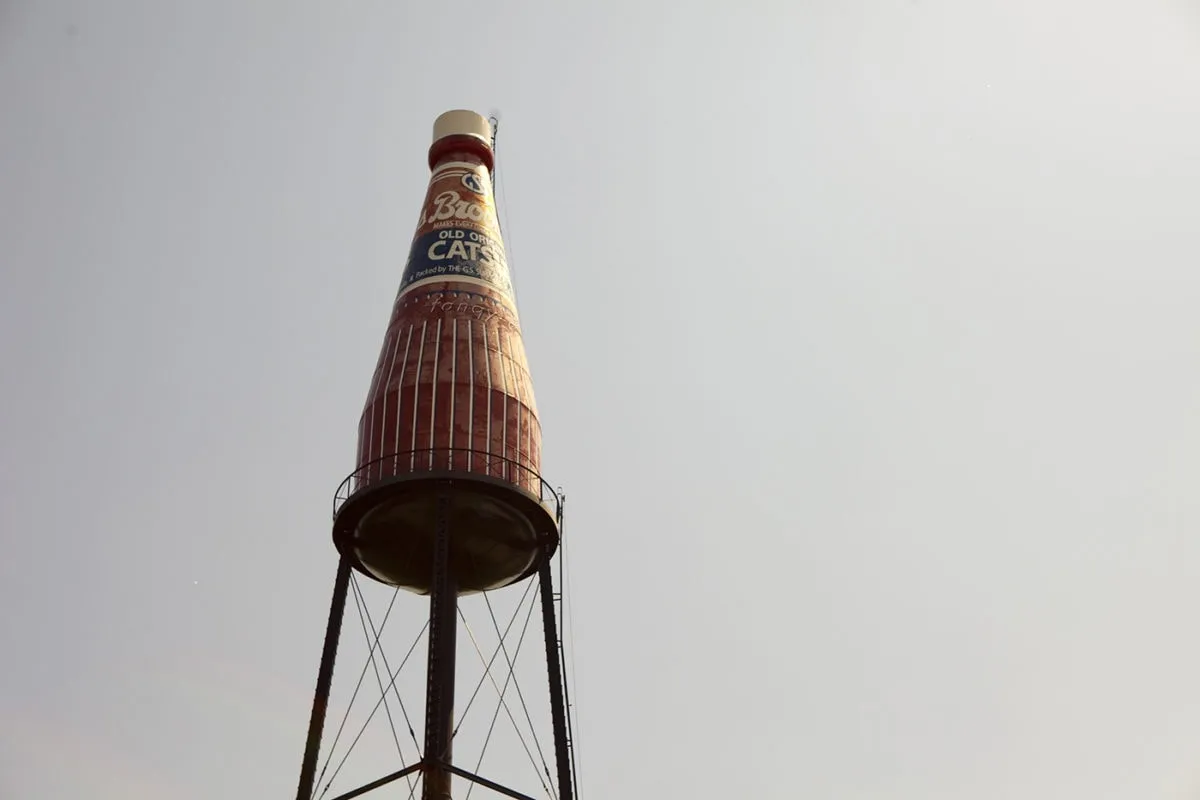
[458, 237]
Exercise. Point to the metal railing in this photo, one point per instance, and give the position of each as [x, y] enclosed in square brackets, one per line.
[446, 459]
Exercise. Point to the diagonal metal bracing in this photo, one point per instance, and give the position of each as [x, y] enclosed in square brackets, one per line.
[383, 656]
[364, 616]
[511, 661]
[511, 657]
[384, 781]
[487, 667]
[367, 722]
[477, 780]
[502, 703]
[354, 695]
[503, 646]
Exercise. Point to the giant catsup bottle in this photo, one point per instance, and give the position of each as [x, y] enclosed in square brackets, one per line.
[451, 391]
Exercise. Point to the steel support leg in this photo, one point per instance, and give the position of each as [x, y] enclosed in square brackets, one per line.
[443, 627]
[562, 755]
[316, 723]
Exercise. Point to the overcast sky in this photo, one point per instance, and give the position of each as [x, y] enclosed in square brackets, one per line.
[866, 338]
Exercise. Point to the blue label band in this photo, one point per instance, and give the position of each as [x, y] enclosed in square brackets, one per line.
[457, 252]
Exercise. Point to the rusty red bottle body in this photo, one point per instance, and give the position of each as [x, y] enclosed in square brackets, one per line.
[452, 389]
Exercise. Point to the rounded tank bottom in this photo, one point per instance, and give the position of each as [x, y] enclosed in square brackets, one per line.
[498, 533]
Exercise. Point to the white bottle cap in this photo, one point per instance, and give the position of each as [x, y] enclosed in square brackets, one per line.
[463, 123]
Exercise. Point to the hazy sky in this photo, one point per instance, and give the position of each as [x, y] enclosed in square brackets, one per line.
[866, 338]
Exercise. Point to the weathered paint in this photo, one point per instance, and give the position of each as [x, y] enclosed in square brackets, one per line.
[452, 375]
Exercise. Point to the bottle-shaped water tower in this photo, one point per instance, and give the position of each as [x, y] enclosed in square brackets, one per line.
[447, 498]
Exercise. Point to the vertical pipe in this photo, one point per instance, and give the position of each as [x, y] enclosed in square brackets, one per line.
[562, 755]
[562, 607]
[443, 627]
[316, 723]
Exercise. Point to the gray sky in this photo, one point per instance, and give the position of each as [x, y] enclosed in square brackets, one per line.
[865, 342]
